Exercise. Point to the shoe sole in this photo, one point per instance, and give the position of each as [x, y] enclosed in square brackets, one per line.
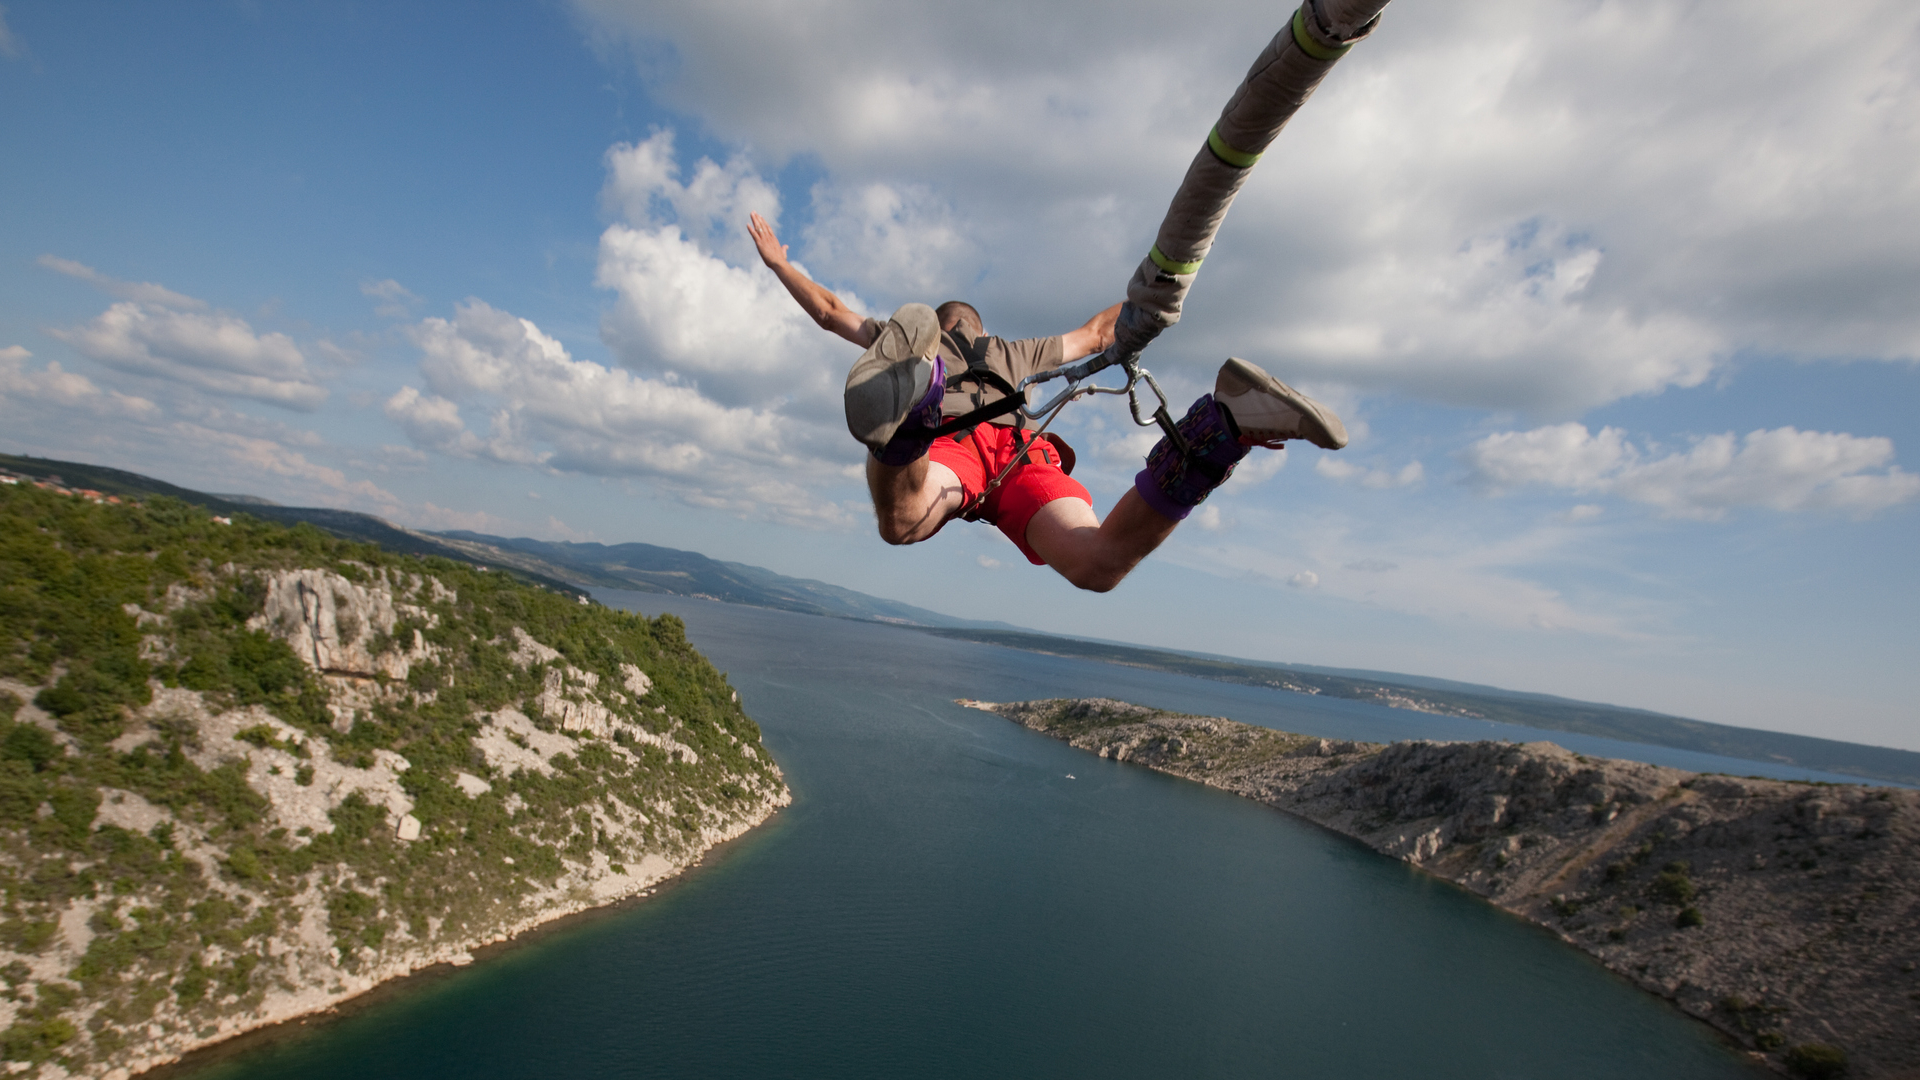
[886, 382]
[1318, 424]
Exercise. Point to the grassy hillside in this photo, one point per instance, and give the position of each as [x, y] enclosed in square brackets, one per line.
[246, 770]
[345, 524]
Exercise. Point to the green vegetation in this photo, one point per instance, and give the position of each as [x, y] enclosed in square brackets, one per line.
[104, 607]
[1673, 886]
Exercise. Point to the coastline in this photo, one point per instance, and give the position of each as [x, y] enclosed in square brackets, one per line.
[1784, 914]
[324, 982]
[393, 988]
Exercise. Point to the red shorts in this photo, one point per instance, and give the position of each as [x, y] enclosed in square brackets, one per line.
[979, 457]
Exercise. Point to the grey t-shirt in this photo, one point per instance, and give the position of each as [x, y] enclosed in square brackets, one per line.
[1011, 360]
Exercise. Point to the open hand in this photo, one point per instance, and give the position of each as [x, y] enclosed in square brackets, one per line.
[772, 251]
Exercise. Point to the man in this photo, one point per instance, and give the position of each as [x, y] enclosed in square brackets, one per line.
[915, 375]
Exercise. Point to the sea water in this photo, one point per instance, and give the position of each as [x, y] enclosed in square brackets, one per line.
[951, 895]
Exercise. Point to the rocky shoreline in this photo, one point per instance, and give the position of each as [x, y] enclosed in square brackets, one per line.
[1786, 915]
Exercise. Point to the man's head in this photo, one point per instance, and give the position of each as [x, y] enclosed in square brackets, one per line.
[960, 315]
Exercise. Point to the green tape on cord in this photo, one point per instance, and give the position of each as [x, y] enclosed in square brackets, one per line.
[1239, 159]
[1169, 265]
[1311, 47]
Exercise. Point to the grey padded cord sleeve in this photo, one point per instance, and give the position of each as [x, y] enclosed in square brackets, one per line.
[1279, 82]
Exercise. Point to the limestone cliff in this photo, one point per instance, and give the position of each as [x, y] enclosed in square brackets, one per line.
[248, 772]
[1785, 914]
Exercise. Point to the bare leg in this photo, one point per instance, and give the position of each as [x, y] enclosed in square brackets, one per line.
[1092, 554]
[912, 502]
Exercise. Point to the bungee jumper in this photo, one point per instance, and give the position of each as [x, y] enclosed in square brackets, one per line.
[945, 411]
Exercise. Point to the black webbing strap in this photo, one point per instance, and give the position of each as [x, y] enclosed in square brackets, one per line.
[975, 352]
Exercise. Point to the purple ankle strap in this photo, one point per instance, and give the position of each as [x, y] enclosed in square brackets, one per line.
[1149, 489]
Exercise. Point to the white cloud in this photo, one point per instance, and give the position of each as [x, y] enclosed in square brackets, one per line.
[140, 292]
[693, 305]
[710, 208]
[1258, 466]
[1504, 322]
[1784, 469]
[265, 458]
[1347, 472]
[59, 412]
[1208, 517]
[396, 300]
[54, 386]
[901, 234]
[431, 420]
[732, 331]
[550, 409]
[1448, 573]
[215, 353]
[431, 516]
[9, 43]
[1570, 218]
[987, 562]
[1562, 455]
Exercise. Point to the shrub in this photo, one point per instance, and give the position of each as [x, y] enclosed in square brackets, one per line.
[351, 917]
[28, 743]
[193, 985]
[36, 1040]
[1689, 917]
[1816, 1061]
[262, 736]
[1673, 887]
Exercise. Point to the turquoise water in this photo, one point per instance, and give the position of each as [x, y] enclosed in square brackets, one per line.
[953, 896]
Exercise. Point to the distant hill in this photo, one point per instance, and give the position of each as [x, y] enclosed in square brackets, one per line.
[647, 568]
[345, 524]
[562, 566]
[1448, 698]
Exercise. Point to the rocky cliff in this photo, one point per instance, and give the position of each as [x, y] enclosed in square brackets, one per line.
[247, 772]
[1785, 914]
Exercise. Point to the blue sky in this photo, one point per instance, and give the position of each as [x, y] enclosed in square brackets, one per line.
[1617, 299]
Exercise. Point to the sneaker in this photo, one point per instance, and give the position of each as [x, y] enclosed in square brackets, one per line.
[897, 377]
[1270, 412]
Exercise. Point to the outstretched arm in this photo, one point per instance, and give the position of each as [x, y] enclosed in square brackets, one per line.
[1095, 336]
[815, 299]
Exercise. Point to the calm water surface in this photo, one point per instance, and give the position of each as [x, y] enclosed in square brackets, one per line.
[953, 896]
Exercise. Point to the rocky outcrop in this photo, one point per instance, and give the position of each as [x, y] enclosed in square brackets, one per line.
[343, 627]
[273, 830]
[1785, 914]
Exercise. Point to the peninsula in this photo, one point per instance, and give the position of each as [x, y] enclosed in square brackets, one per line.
[1785, 914]
[248, 771]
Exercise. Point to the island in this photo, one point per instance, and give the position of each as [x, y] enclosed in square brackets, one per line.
[249, 771]
[1785, 914]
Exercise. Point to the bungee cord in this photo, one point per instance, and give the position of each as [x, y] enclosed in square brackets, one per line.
[1280, 81]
